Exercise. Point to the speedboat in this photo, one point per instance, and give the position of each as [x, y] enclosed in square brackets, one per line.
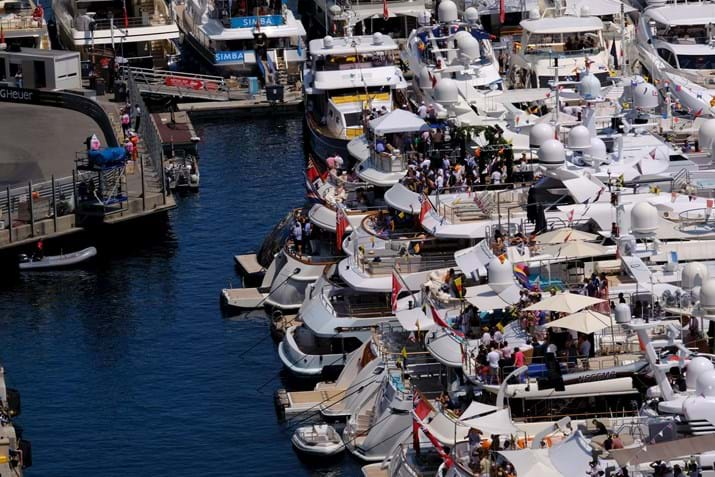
[346, 78]
[244, 39]
[57, 261]
[317, 440]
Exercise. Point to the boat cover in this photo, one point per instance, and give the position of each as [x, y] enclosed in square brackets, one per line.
[110, 156]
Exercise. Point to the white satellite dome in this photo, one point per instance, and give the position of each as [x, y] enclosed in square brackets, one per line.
[622, 313]
[552, 154]
[589, 87]
[446, 90]
[501, 275]
[377, 38]
[706, 134]
[471, 15]
[328, 42]
[424, 18]
[335, 10]
[705, 384]
[644, 219]
[707, 297]
[447, 11]
[467, 45]
[539, 134]
[534, 14]
[696, 367]
[645, 96]
[694, 275]
[424, 78]
[579, 138]
[597, 149]
[585, 11]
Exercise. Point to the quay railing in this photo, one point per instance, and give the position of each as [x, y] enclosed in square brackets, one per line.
[171, 83]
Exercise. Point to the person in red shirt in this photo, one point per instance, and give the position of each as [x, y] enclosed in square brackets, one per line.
[519, 361]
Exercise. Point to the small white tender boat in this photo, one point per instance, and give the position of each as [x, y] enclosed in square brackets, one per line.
[319, 440]
[57, 261]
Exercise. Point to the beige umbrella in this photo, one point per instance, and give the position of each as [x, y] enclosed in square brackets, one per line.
[563, 235]
[575, 249]
[564, 303]
[584, 321]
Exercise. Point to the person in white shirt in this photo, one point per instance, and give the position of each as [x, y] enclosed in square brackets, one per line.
[496, 177]
[486, 338]
[498, 336]
[493, 358]
[422, 111]
[298, 236]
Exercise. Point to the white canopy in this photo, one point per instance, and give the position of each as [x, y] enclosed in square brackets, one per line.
[397, 120]
[576, 249]
[563, 235]
[486, 299]
[564, 303]
[567, 458]
[414, 319]
[476, 409]
[474, 259]
[498, 422]
[584, 321]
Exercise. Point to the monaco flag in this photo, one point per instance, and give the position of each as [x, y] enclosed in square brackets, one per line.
[385, 11]
[341, 225]
[396, 288]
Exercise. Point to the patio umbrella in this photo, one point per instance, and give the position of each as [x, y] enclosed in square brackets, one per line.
[584, 321]
[564, 303]
[576, 249]
[563, 235]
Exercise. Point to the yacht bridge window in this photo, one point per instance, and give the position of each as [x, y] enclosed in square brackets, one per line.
[565, 44]
[696, 62]
[349, 62]
[682, 34]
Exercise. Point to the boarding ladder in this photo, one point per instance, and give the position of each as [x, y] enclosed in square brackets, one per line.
[281, 74]
[180, 85]
[680, 180]
[485, 202]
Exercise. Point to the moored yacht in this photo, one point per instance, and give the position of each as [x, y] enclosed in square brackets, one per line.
[142, 32]
[23, 25]
[346, 78]
[245, 38]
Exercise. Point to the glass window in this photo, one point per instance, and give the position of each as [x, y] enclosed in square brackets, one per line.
[697, 62]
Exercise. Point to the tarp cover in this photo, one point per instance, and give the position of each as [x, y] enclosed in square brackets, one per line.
[397, 120]
[110, 156]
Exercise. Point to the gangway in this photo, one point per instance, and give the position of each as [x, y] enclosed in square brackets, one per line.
[184, 85]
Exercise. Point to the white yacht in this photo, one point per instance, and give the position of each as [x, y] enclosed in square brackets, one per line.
[346, 78]
[336, 321]
[23, 25]
[561, 45]
[674, 48]
[453, 52]
[143, 33]
[244, 38]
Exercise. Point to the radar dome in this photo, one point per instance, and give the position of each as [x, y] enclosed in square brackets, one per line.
[447, 11]
[694, 275]
[446, 90]
[622, 313]
[597, 149]
[552, 154]
[707, 297]
[468, 45]
[471, 15]
[589, 87]
[534, 14]
[501, 274]
[696, 367]
[585, 11]
[377, 38]
[706, 134]
[579, 138]
[335, 10]
[705, 384]
[539, 134]
[424, 18]
[644, 219]
[645, 96]
[328, 42]
[424, 78]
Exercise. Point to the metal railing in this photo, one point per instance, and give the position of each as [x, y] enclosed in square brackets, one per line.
[172, 83]
[23, 21]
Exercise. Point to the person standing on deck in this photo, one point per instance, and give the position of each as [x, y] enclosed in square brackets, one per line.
[298, 236]
[18, 78]
[137, 116]
[307, 232]
[126, 121]
[39, 250]
[134, 139]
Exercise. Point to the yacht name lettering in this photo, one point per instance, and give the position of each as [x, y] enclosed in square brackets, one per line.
[16, 94]
[248, 22]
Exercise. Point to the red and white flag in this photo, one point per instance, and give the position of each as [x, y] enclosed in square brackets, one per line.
[424, 207]
[570, 216]
[385, 11]
[124, 12]
[341, 225]
[502, 11]
[396, 289]
[438, 319]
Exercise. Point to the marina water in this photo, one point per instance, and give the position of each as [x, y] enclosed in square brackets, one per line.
[129, 368]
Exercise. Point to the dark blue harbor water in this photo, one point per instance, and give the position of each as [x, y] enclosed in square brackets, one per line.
[130, 368]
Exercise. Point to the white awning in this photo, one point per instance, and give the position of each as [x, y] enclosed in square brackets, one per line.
[474, 259]
[582, 188]
[397, 120]
[410, 319]
[486, 299]
[476, 409]
[498, 422]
